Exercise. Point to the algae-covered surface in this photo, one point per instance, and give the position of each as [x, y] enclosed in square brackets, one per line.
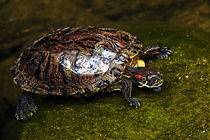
[179, 111]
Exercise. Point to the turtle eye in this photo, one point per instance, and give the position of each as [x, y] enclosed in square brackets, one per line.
[139, 76]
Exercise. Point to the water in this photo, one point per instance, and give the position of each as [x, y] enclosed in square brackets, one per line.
[178, 111]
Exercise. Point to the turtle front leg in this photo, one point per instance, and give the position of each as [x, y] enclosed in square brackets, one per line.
[125, 86]
[26, 106]
[155, 51]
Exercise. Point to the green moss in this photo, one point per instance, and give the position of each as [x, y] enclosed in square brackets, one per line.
[179, 111]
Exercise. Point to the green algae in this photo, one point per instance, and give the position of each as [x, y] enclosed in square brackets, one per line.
[179, 111]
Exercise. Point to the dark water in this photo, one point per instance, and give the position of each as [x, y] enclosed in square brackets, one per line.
[177, 23]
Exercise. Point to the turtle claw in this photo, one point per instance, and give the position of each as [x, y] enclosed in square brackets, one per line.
[23, 113]
[164, 52]
[26, 107]
[134, 102]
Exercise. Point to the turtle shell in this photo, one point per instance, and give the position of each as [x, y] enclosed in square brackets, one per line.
[78, 61]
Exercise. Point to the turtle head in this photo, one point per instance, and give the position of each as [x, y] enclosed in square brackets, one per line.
[146, 77]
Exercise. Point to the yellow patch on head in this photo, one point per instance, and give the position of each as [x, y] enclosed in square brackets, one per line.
[140, 63]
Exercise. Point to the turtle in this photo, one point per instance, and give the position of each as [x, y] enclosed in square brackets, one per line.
[83, 61]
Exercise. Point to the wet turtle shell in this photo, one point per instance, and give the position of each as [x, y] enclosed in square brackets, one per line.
[78, 61]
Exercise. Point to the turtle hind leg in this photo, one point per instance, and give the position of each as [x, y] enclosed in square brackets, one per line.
[155, 51]
[26, 106]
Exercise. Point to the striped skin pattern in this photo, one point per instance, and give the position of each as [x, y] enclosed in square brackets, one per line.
[76, 61]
